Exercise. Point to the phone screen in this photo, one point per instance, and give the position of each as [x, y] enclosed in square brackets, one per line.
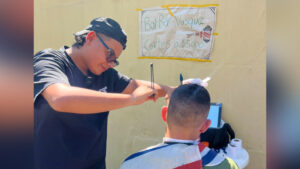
[215, 115]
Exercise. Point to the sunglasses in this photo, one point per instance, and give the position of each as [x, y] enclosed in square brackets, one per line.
[111, 58]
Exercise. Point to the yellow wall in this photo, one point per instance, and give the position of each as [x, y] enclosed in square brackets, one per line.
[237, 69]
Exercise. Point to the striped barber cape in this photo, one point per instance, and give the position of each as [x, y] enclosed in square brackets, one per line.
[173, 156]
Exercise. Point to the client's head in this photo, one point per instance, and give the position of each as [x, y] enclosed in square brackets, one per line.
[188, 110]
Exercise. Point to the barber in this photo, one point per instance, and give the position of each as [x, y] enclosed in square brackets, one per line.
[74, 90]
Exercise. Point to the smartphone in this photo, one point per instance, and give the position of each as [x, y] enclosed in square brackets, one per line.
[214, 115]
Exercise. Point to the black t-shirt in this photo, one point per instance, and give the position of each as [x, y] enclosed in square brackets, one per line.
[67, 140]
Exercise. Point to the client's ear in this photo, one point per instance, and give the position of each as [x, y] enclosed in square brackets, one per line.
[205, 126]
[164, 113]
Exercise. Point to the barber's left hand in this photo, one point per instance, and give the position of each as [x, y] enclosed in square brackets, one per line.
[197, 81]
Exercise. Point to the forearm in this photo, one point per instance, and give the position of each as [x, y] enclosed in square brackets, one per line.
[85, 101]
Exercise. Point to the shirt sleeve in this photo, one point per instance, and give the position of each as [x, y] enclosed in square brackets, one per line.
[47, 69]
[120, 82]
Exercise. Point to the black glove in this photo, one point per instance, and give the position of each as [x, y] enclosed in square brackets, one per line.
[218, 137]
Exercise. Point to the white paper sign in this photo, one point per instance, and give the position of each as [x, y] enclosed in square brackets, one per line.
[187, 34]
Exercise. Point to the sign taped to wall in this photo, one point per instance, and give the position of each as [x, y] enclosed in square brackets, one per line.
[176, 32]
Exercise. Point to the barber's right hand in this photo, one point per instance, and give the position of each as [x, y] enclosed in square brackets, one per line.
[142, 94]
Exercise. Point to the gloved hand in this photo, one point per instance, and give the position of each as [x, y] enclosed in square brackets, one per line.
[197, 81]
[218, 137]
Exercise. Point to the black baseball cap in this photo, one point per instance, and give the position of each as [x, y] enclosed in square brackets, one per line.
[108, 27]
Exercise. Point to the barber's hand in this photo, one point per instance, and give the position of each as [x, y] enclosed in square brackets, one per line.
[197, 81]
[142, 94]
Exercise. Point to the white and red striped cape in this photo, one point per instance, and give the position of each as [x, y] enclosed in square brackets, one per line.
[173, 156]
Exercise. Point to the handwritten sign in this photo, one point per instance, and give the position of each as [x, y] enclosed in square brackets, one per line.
[187, 34]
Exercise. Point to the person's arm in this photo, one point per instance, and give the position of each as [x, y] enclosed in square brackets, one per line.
[163, 91]
[65, 98]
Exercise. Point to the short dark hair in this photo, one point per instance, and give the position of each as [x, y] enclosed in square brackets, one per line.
[79, 41]
[188, 103]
